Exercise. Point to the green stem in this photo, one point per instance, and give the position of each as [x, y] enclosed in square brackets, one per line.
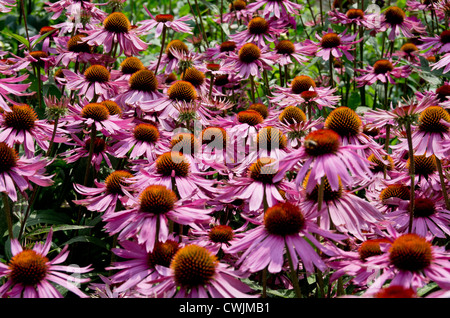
[331, 72]
[252, 91]
[294, 276]
[52, 140]
[441, 177]
[163, 40]
[8, 215]
[412, 174]
[201, 23]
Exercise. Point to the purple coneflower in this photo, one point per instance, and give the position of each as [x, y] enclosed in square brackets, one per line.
[148, 218]
[384, 71]
[31, 274]
[74, 8]
[106, 195]
[196, 273]
[440, 43]
[116, 33]
[395, 19]
[279, 9]
[7, 87]
[162, 21]
[18, 172]
[260, 31]
[355, 17]
[335, 45]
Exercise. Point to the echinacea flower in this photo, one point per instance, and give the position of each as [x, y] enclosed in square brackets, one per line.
[384, 71]
[116, 30]
[148, 217]
[412, 261]
[356, 17]
[289, 52]
[31, 274]
[8, 88]
[283, 229]
[429, 216]
[19, 172]
[94, 84]
[22, 126]
[196, 273]
[107, 195]
[74, 8]
[260, 31]
[440, 43]
[146, 139]
[138, 265]
[324, 155]
[161, 21]
[251, 59]
[395, 19]
[335, 45]
[279, 9]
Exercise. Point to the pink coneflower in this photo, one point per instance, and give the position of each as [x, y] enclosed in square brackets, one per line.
[116, 32]
[304, 92]
[74, 8]
[256, 186]
[22, 126]
[101, 151]
[138, 265]
[290, 52]
[283, 229]
[335, 45]
[355, 17]
[146, 139]
[279, 9]
[178, 172]
[323, 153]
[237, 12]
[216, 237]
[127, 68]
[94, 84]
[106, 289]
[443, 62]
[30, 274]
[6, 4]
[259, 31]
[161, 21]
[142, 87]
[106, 196]
[7, 87]
[97, 116]
[251, 59]
[220, 51]
[430, 216]
[196, 273]
[342, 210]
[411, 261]
[13, 64]
[395, 19]
[440, 43]
[147, 219]
[384, 71]
[19, 172]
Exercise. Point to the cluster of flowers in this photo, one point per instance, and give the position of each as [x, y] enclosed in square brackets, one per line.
[223, 168]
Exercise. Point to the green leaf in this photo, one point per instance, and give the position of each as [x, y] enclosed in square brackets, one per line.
[41, 38]
[86, 239]
[56, 228]
[19, 38]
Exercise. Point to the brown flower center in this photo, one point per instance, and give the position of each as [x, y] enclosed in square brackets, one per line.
[395, 191]
[262, 170]
[99, 145]
[330, 40]
[270, 138]
[258, 25]
[285, 47]
[216, 136]
[193, 266]
[423, 165]
[292, 115]
[370, 248]
[344, 121]
[250, 117]
[8, 157]
[164, 18]
[328, 193]
[112, 106]
[409, 48]
[116, 180]
[355, 14]
[131, 65]
[157, 199]
[394, 15]
[117, 22]
[143, 80]
[28, 268]
[185, 143]
[302, 83]
[97, 73]
[379, 165]
[194, 76]
[172, 162]
[228, 46]
[442, 92]
[163, 253]
[95, 111]
[22, 117]
[238, 5]
[445, 36]
[424, 207]
[382, 67]
[410, 252]
[322, 141]
[221, 234]
[249, 53]
[182, 91]
[430, 120]
[176, 45]
[146, 132]
[76, 44]
[284, 219]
